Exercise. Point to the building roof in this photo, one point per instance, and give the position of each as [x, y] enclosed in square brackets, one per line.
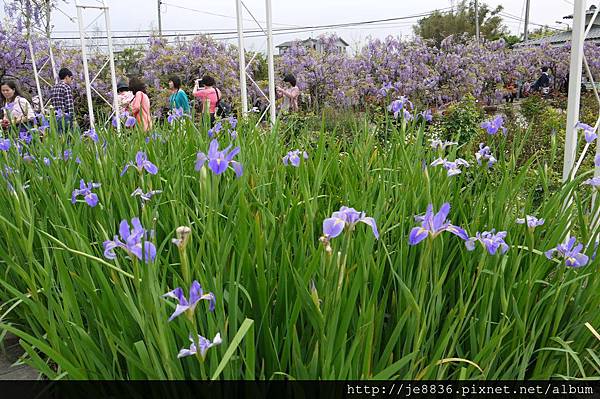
[589, 11]
[561, 38]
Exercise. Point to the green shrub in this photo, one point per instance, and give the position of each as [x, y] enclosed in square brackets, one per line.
[461, 120]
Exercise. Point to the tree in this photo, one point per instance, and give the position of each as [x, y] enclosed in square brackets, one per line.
[440, 25]
[541, 32]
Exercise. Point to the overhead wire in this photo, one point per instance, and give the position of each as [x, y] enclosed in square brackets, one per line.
[275, 31]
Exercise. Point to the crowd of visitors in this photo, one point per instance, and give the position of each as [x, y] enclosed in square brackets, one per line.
[132, 98]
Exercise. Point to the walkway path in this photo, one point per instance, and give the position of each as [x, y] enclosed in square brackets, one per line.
[12, 352]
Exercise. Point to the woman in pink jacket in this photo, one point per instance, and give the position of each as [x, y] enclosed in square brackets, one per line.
[140, 105]
[208, 94]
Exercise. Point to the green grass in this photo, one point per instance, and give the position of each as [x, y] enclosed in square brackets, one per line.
[379, 309]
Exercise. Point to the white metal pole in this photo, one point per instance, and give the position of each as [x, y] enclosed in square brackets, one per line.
[577, 41]
[242, 58]
[111, 58]
[52, 61]
[86, 75]
[270, 63]
[35, 74]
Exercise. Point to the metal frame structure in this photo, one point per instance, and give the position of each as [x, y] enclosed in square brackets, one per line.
[577, 63]
[244, 66]
[104, 10]
[37, 72]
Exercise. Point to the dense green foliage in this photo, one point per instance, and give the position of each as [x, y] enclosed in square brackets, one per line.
[286, 308]
[460, 21]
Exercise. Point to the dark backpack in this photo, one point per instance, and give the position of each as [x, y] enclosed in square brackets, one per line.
[223, 109]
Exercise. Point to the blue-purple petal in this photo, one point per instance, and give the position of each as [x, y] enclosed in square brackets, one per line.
[417, 234]
[332, 227]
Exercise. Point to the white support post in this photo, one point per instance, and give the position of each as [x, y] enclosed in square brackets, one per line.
[111, 58]
[242, 58]
[35, 73]
[111, 61]
[270, 63]
[86, 73]
[52, 61]
[577, 41]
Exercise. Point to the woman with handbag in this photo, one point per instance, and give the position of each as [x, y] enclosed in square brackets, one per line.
[17, 111]
[205, 91]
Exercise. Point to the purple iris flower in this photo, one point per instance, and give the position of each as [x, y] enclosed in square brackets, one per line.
[494, 125]
[215, 130]
[532, 221]
[25, 136]
[385, 88]
[232, 121]
[141, 163]
[132, 242]
[218, 161]
[346, 217]
[589, 131]
[485, 154]
[196, 295]
[434, 224]
[594, 182]
[204, 344]
[400, 104]
[59, 113]
[145, 196]
[453, 168]
[28, 157]
[9, 107]
[491, 240]
[91, 134]
[175, 114]
[570, 252]
[597, 160]
[45, 124]
[67, 155]
[407, 115]
[85, 190]
[46, 161]
[154, 136]
[4, 144]
[427, 115]
[439, 144]
[293, 157]
[130, 121]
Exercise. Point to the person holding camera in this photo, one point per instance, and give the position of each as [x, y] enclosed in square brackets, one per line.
[290, 95]
[205, 91]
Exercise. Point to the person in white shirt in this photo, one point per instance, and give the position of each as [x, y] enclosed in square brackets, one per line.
[16, 110]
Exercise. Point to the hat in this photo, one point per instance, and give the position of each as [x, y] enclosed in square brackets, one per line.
[122, 85]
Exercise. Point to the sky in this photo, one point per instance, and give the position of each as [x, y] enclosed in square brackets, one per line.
[130, 17]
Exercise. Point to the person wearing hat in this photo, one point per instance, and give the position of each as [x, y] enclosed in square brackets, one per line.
[124, 96]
